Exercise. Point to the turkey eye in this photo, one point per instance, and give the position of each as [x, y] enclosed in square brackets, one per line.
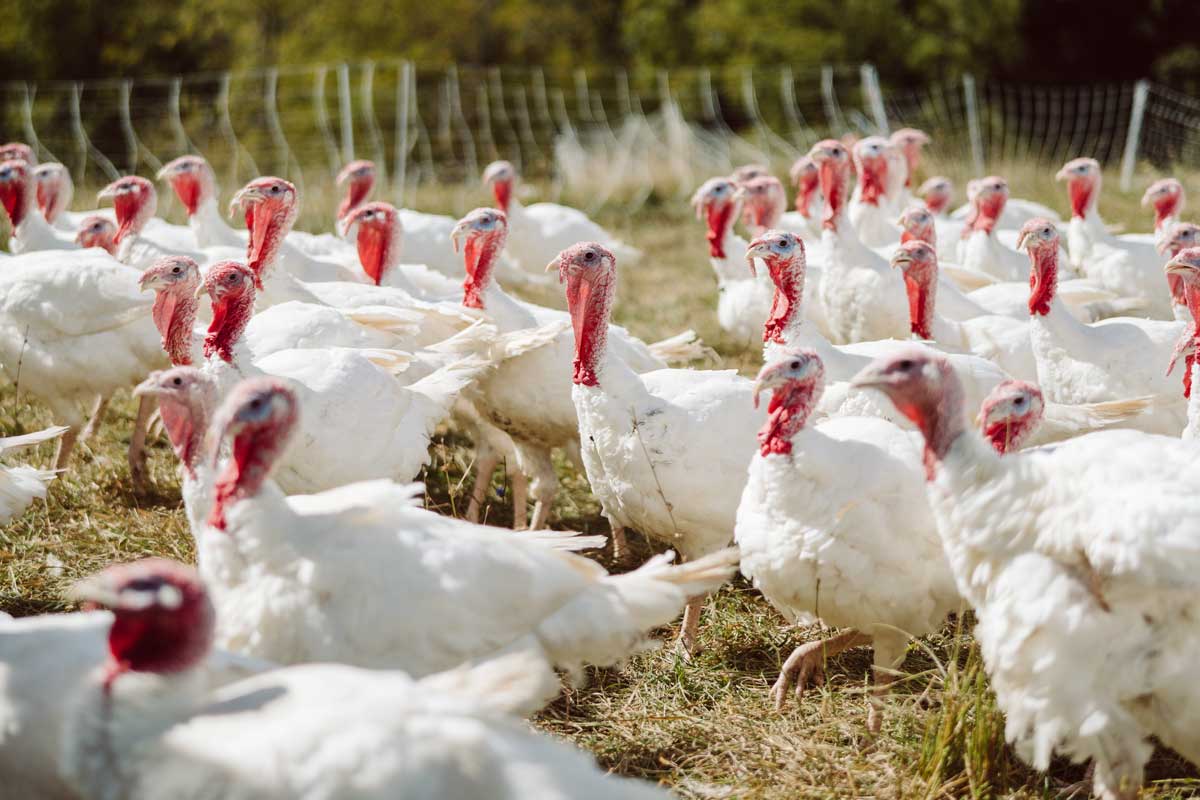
[178, 381]
[175, 270]
[274, 190]
[1020, 401]
[589, 256]
[906, 364]
[795, 365]
[256, 403]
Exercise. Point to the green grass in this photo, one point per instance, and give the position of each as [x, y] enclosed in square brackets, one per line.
[704, 727]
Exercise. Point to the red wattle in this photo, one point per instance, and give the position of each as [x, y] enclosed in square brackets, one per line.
[719, 218]
[1080, 192]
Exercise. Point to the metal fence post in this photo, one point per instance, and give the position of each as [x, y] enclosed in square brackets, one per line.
[345, 113]
[874, 97]
[1129, 160]
[968, 81]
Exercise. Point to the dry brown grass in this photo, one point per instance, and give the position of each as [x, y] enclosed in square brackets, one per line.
[703, 727]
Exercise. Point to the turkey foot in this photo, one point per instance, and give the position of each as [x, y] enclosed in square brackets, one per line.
[93, 423]
[483, 478]
[686, 645]
[806, 664]
[137, 443]
[620, 545]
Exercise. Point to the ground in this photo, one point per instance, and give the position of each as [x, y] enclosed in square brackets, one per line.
[704, 727]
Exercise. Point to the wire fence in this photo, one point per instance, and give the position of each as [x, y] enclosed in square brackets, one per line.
[599, 138]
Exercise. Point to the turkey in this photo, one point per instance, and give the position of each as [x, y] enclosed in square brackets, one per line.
[1117, 358]
[30, 231]
[141, 237]
[980, 249]
[871, 211]
[829, 510]
[193, 181]
[1129, 268]
[349, 397]
[1177, 238]
[665, 451]
[75, 328]
[936, 193]
[20, 485]
[1081, 563]
[18, 151]
[908, 142]
[142, 726]
[1016, 415]
[98, 231]
[1167, 197]
[43, 660]
[1015, 213]
[1184, 267]
[743, 295]
[320, 577]
[529, 395]
[809, 201]
[54, 193]
[538, 233]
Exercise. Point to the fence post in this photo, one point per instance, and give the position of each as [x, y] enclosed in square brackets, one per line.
[968, 81]
[400, 161]
[833, 113]
[345, 113]
[874, 97]
[1140, 91]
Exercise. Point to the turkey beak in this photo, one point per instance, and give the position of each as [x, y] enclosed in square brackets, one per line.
[96, 591]
[555, 264]
[1062, 175]
[1023, 240]
[460, 232]
[757, 249]
[348, 228]
[247, 195]
[201, 290]
[901, 259]
[1179, 266]
[166, 173]
[871, 376]
[107, 192]
[147, 388]
[149, 282]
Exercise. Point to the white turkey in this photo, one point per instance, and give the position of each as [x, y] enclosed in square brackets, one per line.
[30, 231]
[809, 201]
[1081, 563]
[1113, 359]
[829, 510]
[76, 328]
[743, 291]
[143, 726]
[871, 211]
[44, 660]
[540, 231]
[320, 577]
[1129, 268]
[1177, 238]
[980, 249]
[529, 394]
[1184, 267]
[21, 485]
[1016, 211]
[349, 396]
[98, 231]
[665, 451]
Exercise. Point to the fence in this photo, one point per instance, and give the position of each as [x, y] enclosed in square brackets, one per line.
[611, 137]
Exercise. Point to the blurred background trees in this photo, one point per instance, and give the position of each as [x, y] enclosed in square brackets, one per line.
[908, 40]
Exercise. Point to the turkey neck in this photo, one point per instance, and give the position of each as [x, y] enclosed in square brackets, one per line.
[356, 194]
[377, 250]
[838, 234]
[719, 219]
[789, 410]
[174, 315]
[1043, 280]
[985, 214]
[920, 283]
[231, 315]
[785, 316]
[268, 227]
[479, 260]
[253, 455]
[809, 183]
[590, 300]
[872, 179]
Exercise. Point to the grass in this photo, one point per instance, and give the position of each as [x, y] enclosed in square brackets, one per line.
[706, 727]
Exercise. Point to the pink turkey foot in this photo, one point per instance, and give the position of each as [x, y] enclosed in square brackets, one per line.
[686, 646]
[94, 422]
[806, 664]
[137, 444]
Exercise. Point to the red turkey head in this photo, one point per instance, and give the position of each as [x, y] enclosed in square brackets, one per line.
[923, 387]
[185, 395]
[480, 235]
[796, 380]
[783, 253]
[717, 202]
[377, 233]
[1083, 184]
[501, 176]
[937, 192]
[990, 197]
[16, 190]
[54, 189]
[97, 231]
[134, 203]
[806, 178]
[909, 141]
[1180, 237]
[918, 261]
[230, 287]
[917, 224]
[191, 179]
[1040, 238]
[870, 162]
[163, 620]
[174, 281]
[270, 206]
[359, 179]
[590, 273]
[833, 167]
[259, 415]
[1010, 414]
[764, 201]
[1166, 195]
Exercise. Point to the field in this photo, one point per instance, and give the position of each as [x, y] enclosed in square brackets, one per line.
[703, 727]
